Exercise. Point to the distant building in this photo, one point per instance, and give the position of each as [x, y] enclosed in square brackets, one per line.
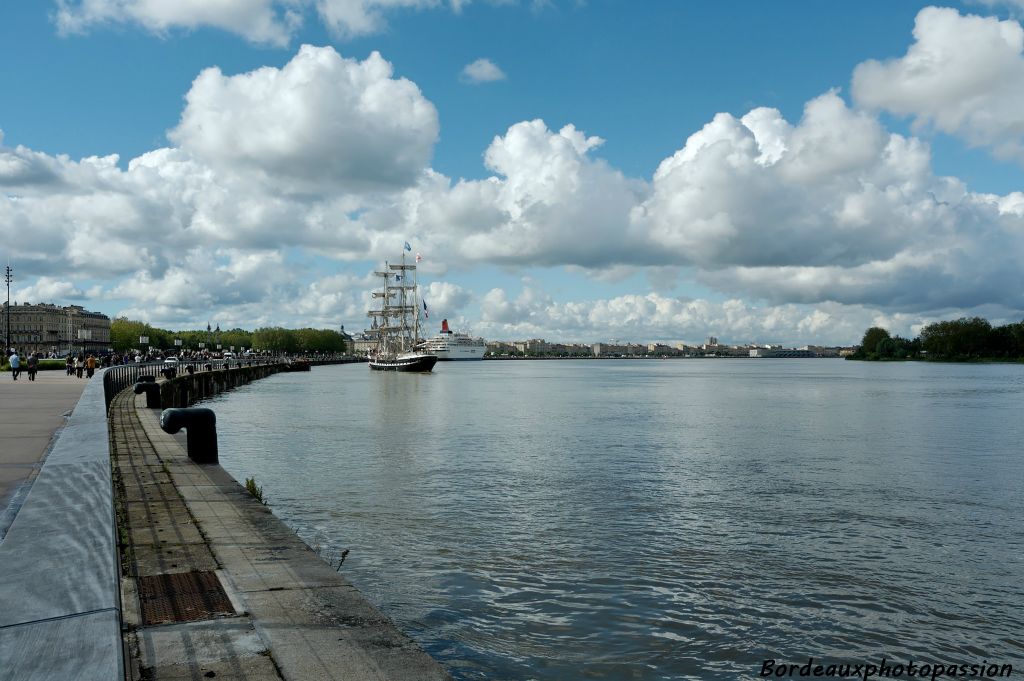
[616, 350]
[363, 344]
[498, 348]
[48, 328]
[532, 346]
[712, 346]
[781, 352]
[348, 341]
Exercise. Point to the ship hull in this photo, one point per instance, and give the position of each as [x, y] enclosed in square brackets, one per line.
[418, 363]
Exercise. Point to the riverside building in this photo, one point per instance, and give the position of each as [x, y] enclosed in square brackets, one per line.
[48, 328]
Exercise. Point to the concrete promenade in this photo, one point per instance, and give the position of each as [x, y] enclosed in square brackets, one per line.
[60, 602]
[30, 413]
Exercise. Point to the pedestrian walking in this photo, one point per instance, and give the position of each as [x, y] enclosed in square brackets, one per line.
[33, 366]
[78, 367]
[90, 366]
[15, 363]
[69, 364]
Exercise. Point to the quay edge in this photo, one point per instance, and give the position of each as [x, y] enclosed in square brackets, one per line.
[294, 617]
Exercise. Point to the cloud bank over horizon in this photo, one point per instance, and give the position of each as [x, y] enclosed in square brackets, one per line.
[801, 231]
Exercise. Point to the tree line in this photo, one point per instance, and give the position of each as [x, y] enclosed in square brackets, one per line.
[964, 339]
[125, 334]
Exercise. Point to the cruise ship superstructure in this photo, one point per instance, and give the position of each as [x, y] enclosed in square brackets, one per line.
[453, 346]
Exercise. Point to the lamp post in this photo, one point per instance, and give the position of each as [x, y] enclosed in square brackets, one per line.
[8, 277]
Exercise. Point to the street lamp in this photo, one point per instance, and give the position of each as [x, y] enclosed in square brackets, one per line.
[8, 277]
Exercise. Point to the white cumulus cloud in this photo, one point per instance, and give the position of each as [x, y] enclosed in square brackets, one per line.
[259, 21]
[481, 71]
[964, 75]
[319, 122]
[48, 289]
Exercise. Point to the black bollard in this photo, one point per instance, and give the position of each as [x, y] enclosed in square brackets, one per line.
[152, 391]
[209, 367]
[146, 378]
[201, 425]
[190, 369]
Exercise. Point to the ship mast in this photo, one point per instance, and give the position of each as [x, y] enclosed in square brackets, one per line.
[394, 333]
[416, 303]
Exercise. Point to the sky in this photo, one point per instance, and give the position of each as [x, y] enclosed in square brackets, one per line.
[573, 170]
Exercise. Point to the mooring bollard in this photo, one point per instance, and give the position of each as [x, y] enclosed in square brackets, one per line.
[209, 367]
[190, 369]
[169, 372]
[152, 391]
[201, 427]
[146, 378]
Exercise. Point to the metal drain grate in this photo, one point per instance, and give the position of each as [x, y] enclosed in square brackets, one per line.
[182, 597]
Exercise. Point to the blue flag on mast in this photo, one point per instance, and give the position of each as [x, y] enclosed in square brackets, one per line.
[407, 246]
[425, 315]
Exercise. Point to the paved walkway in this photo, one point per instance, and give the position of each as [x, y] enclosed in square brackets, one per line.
[30, 413]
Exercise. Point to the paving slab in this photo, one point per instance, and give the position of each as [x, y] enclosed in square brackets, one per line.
[74, 649]
[222, 524]
[150, 491]
[165, 536]
[162, 559]
[228, 648]
[263, 567]
[335, 634]
[55, 561]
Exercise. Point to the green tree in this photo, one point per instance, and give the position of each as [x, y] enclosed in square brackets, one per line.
[125, 333]
[962, 338]
[869, 345]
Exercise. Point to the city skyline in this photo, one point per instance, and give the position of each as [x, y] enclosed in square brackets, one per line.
[568, 170]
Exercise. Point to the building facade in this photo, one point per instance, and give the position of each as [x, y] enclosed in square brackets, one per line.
[52, 329]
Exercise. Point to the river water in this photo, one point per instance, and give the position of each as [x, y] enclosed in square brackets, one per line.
[661, 519]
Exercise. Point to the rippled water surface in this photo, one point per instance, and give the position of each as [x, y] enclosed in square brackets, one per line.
[658, 519]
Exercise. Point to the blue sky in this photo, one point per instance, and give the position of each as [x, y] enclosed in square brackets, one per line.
[769, 172]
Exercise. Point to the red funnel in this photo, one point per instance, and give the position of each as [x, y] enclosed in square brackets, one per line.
[444, 326]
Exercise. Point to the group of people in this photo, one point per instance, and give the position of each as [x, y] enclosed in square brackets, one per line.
[31, 364]
[77, 365]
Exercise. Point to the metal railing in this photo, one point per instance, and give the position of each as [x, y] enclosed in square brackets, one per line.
[121, 376]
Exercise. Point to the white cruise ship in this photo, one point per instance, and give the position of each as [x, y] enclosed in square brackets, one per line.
[450, 346]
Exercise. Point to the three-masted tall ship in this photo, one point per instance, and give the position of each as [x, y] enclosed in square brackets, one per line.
[396, 325]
